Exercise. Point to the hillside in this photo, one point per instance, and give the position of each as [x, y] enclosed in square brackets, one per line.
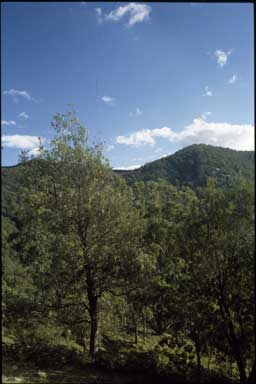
[194, 164]
[189, 166]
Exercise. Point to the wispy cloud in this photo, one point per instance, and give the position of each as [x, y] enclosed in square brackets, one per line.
[20, 141]
[207, 92]
[136, 12]
[205, 115]
[128, 167]
[34, 152]
[233, 79]
[24, 115]
[8, 122]
[108, 100]
[110, 147]
[16, 94]
[234, 136]
[99, 15]
[166, 154]
[222, 56]
[137, 112]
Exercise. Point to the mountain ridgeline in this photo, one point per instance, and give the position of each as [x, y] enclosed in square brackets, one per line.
[190, 166]
[193, 165]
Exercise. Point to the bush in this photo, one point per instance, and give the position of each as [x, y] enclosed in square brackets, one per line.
[156, 359]
[45, 347]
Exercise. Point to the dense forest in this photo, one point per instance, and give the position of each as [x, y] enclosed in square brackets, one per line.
[193, 165]
[147, 277]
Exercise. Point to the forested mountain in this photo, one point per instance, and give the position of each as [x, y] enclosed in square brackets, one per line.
[191, 166]
[194, 164]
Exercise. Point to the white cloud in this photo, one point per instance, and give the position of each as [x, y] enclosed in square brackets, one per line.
[143, 137]
[205, 114]
[233, 79]
[166, 154]
[128, 168]
[222, 57]
[99, 15]
[24, 115]
[136, 12]
[234, 136]
[137, 112]
[20, 141]
[207, 92]
[34, 152]
[15, 94]
[110, 147]
[108, 100]
[9, 122]
[146, 136]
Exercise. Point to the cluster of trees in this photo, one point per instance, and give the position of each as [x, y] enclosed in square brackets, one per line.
[89, 254]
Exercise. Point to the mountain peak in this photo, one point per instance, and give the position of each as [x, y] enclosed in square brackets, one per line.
[195, 163]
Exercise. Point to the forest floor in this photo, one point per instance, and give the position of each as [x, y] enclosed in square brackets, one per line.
[127, 364]
[29, 374]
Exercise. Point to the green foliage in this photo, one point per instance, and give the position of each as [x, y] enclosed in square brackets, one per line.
[193, 165]
[156, 276]
[154, 359]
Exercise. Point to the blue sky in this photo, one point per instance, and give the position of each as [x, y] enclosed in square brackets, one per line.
[146, 78]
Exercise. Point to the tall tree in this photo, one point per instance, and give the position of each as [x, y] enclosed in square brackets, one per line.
[83, 229]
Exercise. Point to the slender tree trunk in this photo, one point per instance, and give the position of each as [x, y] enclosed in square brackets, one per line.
[135, 327]
[93, 311]
[232, 338]
[198, 355]
[84, 345]
[135, 331]
[209, 359]
[237, 353]
[241, 370]
[144, 327]
[230, 366]
[123, 318]
[93, 334]
[159, 323]
[252, 376]
[136, 334]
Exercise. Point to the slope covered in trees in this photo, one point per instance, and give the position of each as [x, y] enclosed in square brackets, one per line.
[194, 164]
[152, 277]
[191, 166]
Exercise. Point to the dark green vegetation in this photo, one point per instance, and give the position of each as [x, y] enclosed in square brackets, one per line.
[193, 165]
[105, 282]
